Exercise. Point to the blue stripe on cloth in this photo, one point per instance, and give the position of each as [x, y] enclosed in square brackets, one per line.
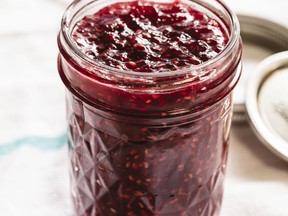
[45, 143]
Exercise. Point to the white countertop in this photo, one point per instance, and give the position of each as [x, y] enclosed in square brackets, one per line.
[34, 178]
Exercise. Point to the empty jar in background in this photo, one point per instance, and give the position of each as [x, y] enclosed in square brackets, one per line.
[149, 104]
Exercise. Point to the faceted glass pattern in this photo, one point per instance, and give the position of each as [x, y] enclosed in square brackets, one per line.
[130, 168]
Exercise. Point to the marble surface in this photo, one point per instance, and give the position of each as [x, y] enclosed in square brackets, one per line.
[34, 178]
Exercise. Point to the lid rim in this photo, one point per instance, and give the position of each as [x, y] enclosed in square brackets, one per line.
[273, 142]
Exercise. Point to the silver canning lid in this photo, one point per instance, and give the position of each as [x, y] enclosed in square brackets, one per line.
[267, 103]
[261, 38]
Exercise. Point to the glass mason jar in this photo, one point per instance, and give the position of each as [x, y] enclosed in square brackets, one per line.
[145, 144]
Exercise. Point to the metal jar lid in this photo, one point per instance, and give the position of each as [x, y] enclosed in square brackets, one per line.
[261, 38]
[267, 103]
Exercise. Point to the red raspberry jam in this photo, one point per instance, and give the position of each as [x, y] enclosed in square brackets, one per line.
[148, 105]
[149, 37]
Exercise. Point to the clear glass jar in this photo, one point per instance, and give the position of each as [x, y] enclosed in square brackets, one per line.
[144, 144]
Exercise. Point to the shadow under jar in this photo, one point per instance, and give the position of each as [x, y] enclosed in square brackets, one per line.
[148, 136]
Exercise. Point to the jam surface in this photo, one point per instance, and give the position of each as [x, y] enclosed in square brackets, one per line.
[149, 37]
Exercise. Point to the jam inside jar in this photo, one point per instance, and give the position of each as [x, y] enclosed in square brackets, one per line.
[149, 104]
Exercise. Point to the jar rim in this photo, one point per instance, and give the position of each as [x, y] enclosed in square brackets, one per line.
[75, 52]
